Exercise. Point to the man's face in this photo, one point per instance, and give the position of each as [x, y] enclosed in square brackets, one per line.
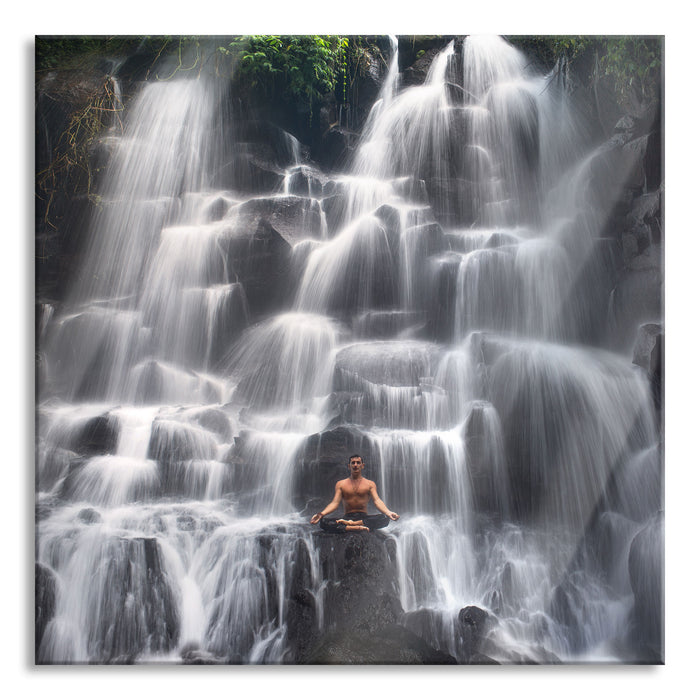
[356, 466]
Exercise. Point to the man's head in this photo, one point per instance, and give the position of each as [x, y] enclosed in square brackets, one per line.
[356, 465]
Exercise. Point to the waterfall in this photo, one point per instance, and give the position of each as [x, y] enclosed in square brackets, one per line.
[230, 309]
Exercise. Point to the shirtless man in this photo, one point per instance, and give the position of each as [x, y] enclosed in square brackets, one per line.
[355, 493]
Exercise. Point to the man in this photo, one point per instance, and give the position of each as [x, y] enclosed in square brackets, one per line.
[355, 493]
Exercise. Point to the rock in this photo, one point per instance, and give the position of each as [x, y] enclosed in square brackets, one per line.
[636, 298]
[646, 570]
[441, 309]
[392, 363]
[139, 609]
[626, 123]
[334, 207]
[98, 436]
[305, 182]
[172, 441]
[249, 174]
[417, 72]
[474, 622]
[386, 324]
[44, 606]
[337, 146]
[215, 421]
[53, 466]
[362, 607]
[648, 354]
[193, 656]
[324, 461]
[362, 568]
[89, 516]
[392, 644]
[411, 189]
[454, 201]
[295, 218]
[259, 257]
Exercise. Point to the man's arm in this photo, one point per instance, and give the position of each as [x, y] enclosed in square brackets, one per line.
[331, 506]
[381, 506]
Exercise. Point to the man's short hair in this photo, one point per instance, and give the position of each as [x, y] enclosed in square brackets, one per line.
[355, 457]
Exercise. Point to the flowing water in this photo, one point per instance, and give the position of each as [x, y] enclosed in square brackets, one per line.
[436, 299]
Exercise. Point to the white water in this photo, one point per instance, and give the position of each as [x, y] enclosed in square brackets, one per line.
[494, 430]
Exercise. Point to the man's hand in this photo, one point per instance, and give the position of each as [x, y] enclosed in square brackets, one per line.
[316, 518]
[393, 516]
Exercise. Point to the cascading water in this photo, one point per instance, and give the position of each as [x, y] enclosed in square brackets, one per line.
[429, 304]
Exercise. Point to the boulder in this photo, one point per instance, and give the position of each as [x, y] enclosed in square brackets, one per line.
[98, 436]
[294, 217]
[473, 624]
[258, 254]
[89, 516]
[392, 363]
[362, 606]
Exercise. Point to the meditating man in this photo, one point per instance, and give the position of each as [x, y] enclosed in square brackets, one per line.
[355, 493]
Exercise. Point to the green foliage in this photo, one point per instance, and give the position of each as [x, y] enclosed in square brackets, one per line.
[548, 49]
[302, 66]
[634, 63]
[71, 51]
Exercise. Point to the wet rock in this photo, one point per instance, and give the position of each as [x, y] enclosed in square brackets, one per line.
[258, 255]
[89, 516]
[411, 189]
[193, 656]
[98, 436]
[215, 421]
[474, 623]
[636, 298]
[454, 201]
[140, 610]
[305, 182]
[293, 217]
[334, 207]
[324, 461]
[400, 363]
[44, 605]
[53, 466]
[392, 644]
[646, 570]
[337, 146]
[441, 305]
[417, 72]
[172, 441]
[362, 606]
[648, 354]
[247, 173]
[386, 324]
[497, 240]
